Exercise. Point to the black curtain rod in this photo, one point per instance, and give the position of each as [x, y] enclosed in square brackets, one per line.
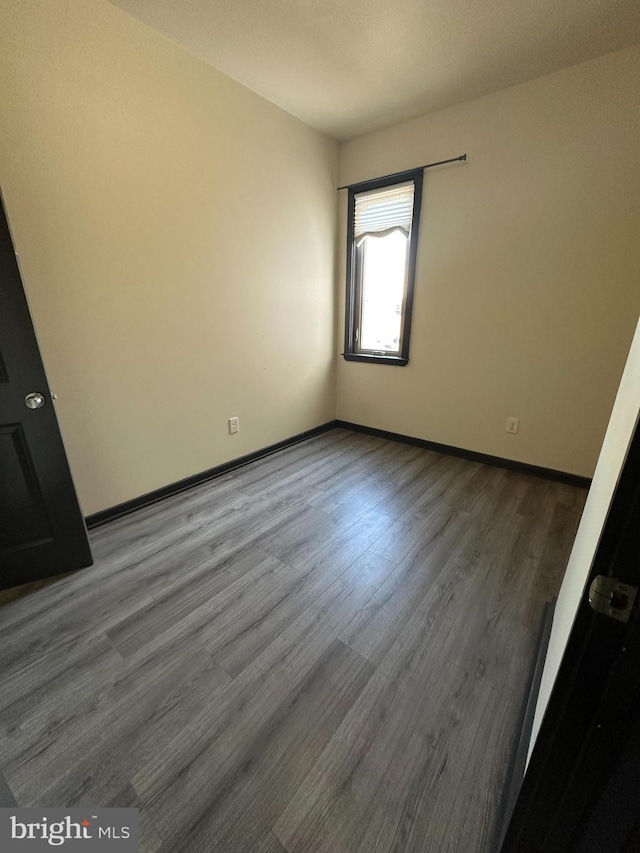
[405, 172]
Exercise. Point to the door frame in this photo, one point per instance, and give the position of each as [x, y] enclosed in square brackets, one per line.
[595, 701]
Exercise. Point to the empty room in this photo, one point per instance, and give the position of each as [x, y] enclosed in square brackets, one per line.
[319, 384]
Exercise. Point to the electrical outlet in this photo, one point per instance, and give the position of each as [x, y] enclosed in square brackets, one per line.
[234, 425]
[513, 425]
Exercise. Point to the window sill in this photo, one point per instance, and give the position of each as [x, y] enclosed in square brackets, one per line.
[376, 359]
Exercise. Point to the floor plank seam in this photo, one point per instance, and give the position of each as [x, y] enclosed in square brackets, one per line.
[243, 698]
[479, 678]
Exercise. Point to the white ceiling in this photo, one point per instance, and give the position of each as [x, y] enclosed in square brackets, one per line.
[351, 66]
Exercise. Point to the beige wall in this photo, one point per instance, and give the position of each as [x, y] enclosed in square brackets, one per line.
[624, 419]
[527, 288]
[176, 237]
[177, 240]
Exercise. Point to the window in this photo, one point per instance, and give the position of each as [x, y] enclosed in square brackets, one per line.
[382, 237]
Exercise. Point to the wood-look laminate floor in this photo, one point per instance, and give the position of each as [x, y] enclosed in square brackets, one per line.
[327, 650]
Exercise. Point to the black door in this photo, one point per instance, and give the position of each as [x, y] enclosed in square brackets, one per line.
[42, 531]
[581, 792]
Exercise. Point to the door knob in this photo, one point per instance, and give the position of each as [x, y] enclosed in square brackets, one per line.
[34, 400]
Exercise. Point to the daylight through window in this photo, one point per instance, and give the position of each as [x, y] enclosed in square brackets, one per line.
[383, 224]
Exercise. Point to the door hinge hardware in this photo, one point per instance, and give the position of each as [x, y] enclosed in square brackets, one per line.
[612, 597]
[54, 397]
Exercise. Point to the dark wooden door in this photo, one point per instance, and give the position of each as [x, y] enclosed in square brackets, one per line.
[581, 791]
[42, 531]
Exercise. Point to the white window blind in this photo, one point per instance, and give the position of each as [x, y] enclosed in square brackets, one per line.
[380, 211]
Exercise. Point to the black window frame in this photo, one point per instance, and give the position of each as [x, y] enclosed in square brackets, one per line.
[354, 283]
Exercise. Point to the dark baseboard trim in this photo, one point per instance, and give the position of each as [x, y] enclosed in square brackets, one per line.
[519, 760]
[118, 511]
[485, 458]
